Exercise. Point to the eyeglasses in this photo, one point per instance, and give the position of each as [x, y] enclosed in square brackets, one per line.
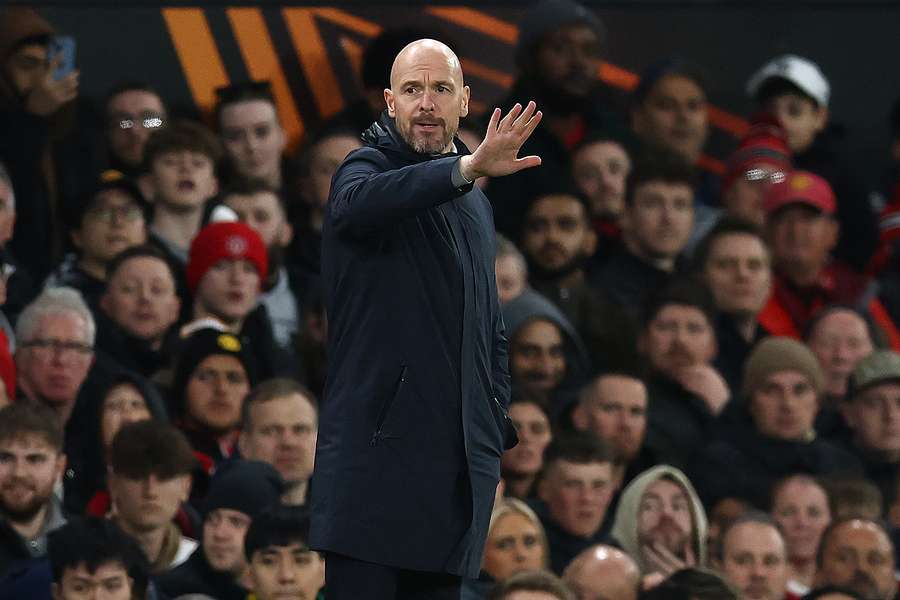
[123, 213]
[51, 347]
[763, 176]
[145, 120]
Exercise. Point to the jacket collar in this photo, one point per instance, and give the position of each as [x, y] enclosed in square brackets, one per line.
[383, 134]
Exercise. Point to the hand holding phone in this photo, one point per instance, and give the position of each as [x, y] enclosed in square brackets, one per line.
[60, 84]
[62, 56]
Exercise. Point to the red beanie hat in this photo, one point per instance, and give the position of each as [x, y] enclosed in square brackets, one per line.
[225, 241]
[765, 143]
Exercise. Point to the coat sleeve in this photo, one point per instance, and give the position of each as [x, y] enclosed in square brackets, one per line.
[366, 197]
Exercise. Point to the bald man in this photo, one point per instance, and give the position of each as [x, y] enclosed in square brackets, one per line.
[413, 420]
[603, 573]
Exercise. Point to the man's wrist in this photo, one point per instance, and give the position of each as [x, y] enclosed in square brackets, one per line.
[465, 169]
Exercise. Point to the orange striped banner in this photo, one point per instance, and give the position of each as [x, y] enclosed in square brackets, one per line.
[314, 60]
[197, 52]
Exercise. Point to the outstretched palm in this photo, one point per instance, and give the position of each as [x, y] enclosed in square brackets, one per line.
[497, 154]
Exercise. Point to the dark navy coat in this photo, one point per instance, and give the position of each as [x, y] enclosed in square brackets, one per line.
[413, 419]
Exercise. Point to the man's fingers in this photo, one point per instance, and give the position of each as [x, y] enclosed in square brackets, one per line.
[525, 116]
[532, 124]
[510, 117]
[495, 120]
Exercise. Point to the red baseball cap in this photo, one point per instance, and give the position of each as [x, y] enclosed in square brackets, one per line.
[801, 187]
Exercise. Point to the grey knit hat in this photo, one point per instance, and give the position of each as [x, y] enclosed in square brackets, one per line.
[545, 16]
[776, 354]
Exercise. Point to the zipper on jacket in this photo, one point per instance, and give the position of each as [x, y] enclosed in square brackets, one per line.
[385, 408]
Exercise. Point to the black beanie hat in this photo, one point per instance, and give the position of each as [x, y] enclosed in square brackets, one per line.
[247, 486]
[546, 16]
[199, 346]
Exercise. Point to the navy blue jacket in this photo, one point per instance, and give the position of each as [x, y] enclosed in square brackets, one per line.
[413, 419]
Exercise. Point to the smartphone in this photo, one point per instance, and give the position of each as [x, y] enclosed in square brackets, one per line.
[64, 47]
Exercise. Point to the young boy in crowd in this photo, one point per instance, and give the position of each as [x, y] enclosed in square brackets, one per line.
[181, 160]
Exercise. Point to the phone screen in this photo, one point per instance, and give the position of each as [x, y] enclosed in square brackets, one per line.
[64, 47]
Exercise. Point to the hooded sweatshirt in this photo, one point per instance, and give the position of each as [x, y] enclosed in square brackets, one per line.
[531, 305]
[624, 529]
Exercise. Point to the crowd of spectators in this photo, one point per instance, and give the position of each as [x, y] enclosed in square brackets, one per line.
[705, 366]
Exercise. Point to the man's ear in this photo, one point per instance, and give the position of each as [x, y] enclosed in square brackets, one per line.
[60, 467]
[464, 107]
[185, 487]
[822, 115]
[589, 245]
[834, 232]
[389, 100]
[286, 235]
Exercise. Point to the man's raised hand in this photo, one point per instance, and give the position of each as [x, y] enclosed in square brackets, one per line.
[497, 155]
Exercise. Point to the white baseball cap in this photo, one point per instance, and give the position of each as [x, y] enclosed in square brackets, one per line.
[800, 71]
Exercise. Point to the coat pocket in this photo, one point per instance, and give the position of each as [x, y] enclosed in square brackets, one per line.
[380, 432]
[505, 424]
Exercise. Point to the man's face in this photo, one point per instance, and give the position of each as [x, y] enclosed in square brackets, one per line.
[801, 118]
[427, 98]
[29, 466]
[215, 393]
[674, 116]
[514, 544]
[123, 404]
[183, 179]
[254, 139]
[229, 290]
[223, 540]
[784, 406]
[860, 556]
[113, 223]
[745, 198]
[262, 211]
[26, 67]
[678, 337]
[755, 560]
[536, 357]
[738, 274]
[110, 581]
[665, 518]
[577, 495]
[141, 298]
[327, 156]
[840, 340]
[148, 503]
[145, 112]
[801, 509]
[801, 235]
[57, 358]
[7, 213]
[600, 170]
[557, 235]
[282, 432]
[533, 429]
[659, 220]
[616, 411]
[511, 278]
[568, 60]
[287, 572]
[874, 417]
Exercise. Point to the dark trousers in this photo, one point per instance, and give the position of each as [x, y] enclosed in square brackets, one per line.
[350, 579]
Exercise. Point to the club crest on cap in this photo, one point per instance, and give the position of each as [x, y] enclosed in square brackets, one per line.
[236, 245]
[800, 182]
[229, 342]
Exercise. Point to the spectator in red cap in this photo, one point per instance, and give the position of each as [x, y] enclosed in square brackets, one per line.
[802, 231]
[762, 157]
[226, 265]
